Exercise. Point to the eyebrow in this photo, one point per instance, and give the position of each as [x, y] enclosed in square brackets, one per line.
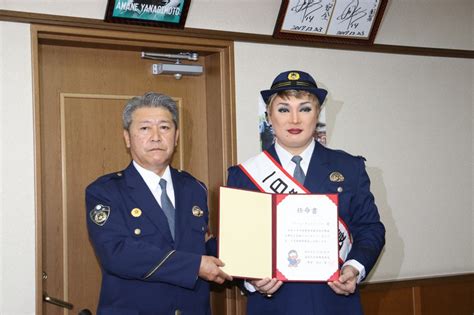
[147, 121]
[288, 104]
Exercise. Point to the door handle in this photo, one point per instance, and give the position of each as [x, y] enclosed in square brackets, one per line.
[57, 302]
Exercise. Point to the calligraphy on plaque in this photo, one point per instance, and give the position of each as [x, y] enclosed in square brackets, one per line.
[349, 21]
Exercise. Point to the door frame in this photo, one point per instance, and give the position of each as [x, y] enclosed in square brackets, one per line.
[220, 95]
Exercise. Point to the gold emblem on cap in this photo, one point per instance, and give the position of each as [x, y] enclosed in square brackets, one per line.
[137, 231]
[136, 212]
[293, 76]
[336, 177]
[197, 212]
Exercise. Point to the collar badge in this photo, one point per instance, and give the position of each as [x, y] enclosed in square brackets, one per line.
[336, 177]
[197, 212]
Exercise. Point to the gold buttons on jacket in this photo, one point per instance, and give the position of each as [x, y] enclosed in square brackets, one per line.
[136, 212]
[137, 231]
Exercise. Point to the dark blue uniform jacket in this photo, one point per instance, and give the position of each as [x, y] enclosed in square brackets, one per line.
[356, 208]
[145, 271]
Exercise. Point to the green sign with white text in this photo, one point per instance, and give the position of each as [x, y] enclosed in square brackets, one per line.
[168, 11]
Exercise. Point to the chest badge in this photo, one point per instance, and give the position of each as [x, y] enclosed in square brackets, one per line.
[136, 212]
[336, 177]
[197, 212]
[100, 214]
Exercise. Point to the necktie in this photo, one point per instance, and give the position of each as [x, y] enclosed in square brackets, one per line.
[167, 206]
[298, 174]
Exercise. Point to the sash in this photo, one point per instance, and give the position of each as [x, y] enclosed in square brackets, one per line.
[270, 177]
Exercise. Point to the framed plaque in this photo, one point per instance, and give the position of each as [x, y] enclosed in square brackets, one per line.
[339, 21]
[163, 13]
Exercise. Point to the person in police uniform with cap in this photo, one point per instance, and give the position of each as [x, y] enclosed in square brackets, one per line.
[293, 105]
[148, 223]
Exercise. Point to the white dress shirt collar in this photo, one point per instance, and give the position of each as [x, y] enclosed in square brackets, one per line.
[152, 181]
[285, 157]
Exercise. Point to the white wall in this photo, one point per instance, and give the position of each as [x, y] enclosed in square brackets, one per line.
[410, 116]
[428, 23]
[17, 211]
[424, 23]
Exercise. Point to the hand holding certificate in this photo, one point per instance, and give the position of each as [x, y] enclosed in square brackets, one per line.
[288, 237]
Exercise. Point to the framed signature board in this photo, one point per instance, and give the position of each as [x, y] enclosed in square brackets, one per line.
[339, 21]
[164, 13]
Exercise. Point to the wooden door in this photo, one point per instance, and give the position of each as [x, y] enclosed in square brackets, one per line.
[83, 82]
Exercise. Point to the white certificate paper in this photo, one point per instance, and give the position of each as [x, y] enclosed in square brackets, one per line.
[306, 237]
[289, 237]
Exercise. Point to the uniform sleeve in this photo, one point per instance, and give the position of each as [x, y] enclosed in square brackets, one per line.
[211, 247]
[367, 230]
[129, 257]
[237, 179]
[211, 244]
[231, 177]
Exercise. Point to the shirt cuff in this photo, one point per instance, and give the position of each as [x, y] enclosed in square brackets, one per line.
[249, 287]
[357, 265]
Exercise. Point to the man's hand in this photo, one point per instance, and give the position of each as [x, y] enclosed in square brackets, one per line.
[346, 284]
[267, 286]
[210, 271]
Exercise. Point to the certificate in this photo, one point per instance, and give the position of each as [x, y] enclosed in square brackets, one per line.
[289, 237]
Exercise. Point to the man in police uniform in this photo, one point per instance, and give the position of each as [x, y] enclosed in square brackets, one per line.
[148, 223]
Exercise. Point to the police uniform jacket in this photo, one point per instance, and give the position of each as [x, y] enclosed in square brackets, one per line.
[356, 207]
[145, 271]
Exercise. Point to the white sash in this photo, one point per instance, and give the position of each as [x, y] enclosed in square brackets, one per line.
[270, 177]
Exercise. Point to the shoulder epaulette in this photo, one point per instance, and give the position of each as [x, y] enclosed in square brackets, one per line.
[193, 178]
[182, 172]
[111, 176]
